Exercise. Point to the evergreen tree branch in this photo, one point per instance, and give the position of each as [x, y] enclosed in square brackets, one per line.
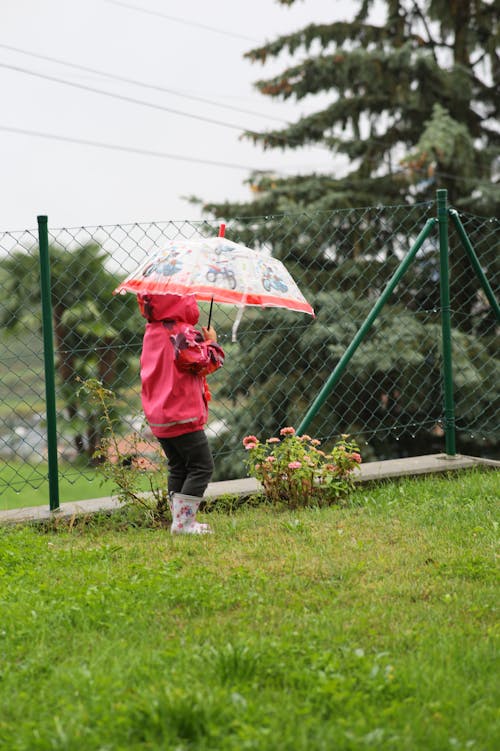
[430, 39]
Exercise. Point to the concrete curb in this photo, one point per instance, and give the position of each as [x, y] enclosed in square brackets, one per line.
[369, 472]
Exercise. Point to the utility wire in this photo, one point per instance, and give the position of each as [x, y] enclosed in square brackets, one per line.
[136, 82]
[194, 160]
[171, 110]
[165, 109]
[145, 152]
[181, 158]
[157, 13]
[142, 102]
[121, 97]
[129, 149]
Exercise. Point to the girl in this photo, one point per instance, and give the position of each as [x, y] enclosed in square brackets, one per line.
[175, 360]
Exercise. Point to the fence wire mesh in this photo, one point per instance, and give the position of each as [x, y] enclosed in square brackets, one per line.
[389, 398]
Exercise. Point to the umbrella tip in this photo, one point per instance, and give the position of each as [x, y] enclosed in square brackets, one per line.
[222, 230]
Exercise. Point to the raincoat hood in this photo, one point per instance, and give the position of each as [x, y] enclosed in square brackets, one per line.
[182, 308]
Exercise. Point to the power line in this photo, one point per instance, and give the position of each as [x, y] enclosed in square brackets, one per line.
[165, 109]
[194, 160]
[128, 149]
[121, 97]
[136, 82]
[136, 150]
[157, 13]
[142, 102]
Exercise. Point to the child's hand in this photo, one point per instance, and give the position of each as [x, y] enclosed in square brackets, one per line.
[210, 334]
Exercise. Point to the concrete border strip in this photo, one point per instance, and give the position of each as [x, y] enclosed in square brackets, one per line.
[369, 472]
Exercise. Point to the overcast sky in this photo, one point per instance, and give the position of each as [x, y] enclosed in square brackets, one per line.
[193, 48]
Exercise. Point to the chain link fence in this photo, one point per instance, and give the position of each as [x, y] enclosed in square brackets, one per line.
[390, 397]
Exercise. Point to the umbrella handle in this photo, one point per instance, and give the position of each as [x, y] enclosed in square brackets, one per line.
[222, 230]
[210, 313]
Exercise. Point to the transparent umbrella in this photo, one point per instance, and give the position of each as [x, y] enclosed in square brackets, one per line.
[217, 269]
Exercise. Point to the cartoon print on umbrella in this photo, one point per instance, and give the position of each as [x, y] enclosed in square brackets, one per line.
[222, 268]
[270, 281]
[168, 266]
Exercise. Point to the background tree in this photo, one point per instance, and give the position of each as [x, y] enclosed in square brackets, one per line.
[390, 396]
[412, 101]
[93, 337]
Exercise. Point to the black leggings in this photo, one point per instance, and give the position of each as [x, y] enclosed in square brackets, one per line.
[190, 463]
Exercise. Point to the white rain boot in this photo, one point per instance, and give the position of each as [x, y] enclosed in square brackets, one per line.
[184, 508]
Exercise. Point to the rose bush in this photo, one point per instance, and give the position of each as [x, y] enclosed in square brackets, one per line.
[295, 471]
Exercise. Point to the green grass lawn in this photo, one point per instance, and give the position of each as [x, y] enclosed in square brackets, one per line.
[22, 484]
[367, 626]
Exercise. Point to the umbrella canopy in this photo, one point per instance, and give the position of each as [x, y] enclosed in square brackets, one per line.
[217, 269]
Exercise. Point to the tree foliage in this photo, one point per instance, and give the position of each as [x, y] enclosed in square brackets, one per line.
[389, 397]
[93, 337]
[411, 100]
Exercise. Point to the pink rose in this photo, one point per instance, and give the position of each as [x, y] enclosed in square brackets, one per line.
[273, 440]
[250, 445]
[356, 457]
[287, 431]
[250, 439]
[295, 465]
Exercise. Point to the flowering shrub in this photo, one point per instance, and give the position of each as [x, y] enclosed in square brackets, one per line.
[294, 470]
[139, 481]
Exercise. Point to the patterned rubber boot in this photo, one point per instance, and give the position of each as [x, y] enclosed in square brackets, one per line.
[184, 508]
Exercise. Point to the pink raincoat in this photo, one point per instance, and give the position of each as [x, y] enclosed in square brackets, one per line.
[174, 362]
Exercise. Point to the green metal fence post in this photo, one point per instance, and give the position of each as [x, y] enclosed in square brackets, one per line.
[367, 323]
[475, 262]
[444, 286]
[48, 353]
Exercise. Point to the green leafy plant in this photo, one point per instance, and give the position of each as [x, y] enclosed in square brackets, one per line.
[140, 480]
[295, 471]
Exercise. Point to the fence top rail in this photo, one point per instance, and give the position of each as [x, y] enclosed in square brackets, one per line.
[236, 218]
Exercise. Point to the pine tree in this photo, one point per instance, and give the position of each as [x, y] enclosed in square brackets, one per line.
[413, 104]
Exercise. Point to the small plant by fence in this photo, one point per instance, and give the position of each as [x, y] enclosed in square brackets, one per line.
[390, 358]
